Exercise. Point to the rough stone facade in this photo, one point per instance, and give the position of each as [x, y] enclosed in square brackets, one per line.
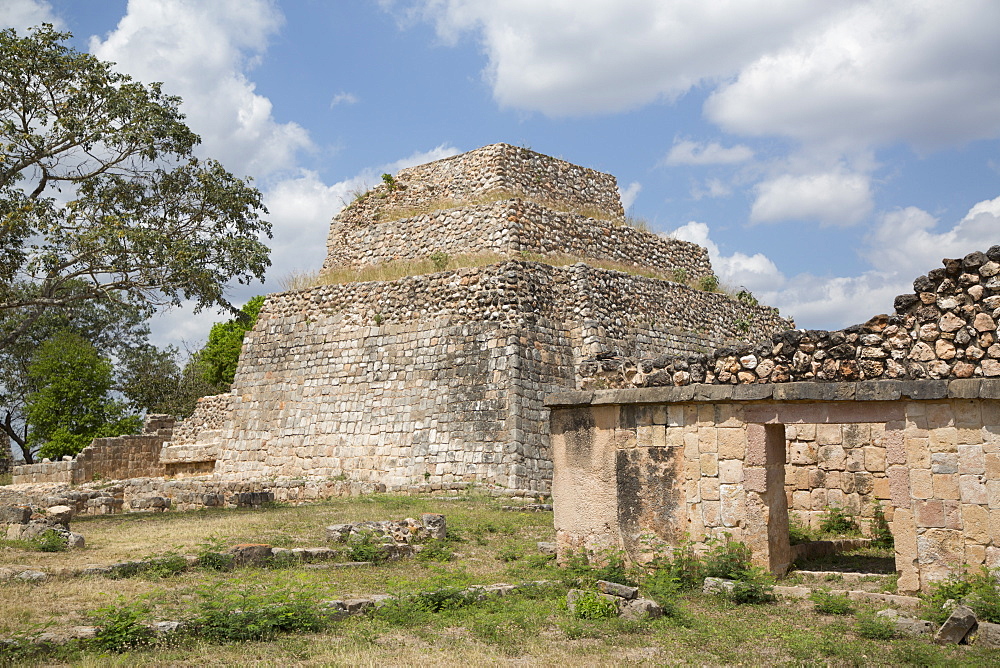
[739, 440]
[433, 381]
[947, 328]
[106, 458]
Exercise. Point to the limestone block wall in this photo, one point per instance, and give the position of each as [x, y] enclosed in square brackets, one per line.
[439, 378]
[946, 328]
[106, 458]
[209, 415]
[639, 469]
[498, 168]
[510, 228]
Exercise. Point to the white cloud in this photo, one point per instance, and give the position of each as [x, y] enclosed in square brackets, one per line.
[23, 14]
[578, 57]
[202, 52]
[713, 188]
[754, 272]
[857, 72]
[629, 195]
[874, 73]
[833, 198]
[687, 152]
[903, 245]
[343, 98]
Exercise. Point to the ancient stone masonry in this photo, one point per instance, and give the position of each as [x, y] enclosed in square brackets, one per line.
[947, 328]
[729, 448]
[435, 381]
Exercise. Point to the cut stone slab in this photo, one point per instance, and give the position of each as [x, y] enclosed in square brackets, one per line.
[957, 626]
[987, 635]
[619, 590]
[60, 514]
[251, 554]
[641, 608]
[718, 586]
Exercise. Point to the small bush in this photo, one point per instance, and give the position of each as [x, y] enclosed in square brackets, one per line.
[664, 588]
[591, 605]
[445, 598]
[251, 614]
[365, 548]
[708, 283]
[954, 588]
[985, 596]
[754, 586]
[881, 533]
[728, 559]
[508, 554]
[435, 550]
[870, 626]
[836, 521]
[50, 541]
[831, 604]
[440, 260]
[120, 629]
[798, 532]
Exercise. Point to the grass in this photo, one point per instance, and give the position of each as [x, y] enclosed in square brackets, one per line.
[397, 269]
[6, 478]
[438, 628]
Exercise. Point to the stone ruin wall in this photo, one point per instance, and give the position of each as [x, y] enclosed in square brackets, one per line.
[947, 328]
[114, 458]
[512, 228]
[440, 378]
[486, 172]
[641, 469]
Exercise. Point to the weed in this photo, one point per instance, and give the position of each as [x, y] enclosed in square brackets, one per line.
[445, 598]
[798, 532]
[746, 297]
[868, 625]
[364, 548]
[539, 560]
[664, 588]
[212, 557]
[50, 540]
[591, 605]
[881, 533]
[679, 275]
[831, 604]
[708, 283]
[727, 558]
[378, 318]
[390, 182]
[435, 550]
[440, 260]
[754, 586]
[508, 554]
[838, 522]
[120, 627]
[251, 613]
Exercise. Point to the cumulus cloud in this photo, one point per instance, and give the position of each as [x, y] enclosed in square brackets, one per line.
[904, 244]
[202, 51]
[833, 198]
[629, 195]
[592, 56]
[23, 14]
[874, 73]
[856, 72]
[712, 188]
[687, 152]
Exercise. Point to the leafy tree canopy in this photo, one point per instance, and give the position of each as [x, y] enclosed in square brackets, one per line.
[101, 197]
[222, 352]
[71, 405]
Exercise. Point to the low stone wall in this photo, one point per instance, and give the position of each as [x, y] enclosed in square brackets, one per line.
[946, 329]
[106, 458]
[511, 228]
[642, 469]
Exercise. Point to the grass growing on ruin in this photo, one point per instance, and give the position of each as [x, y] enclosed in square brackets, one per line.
[397, 269]
[434, 627]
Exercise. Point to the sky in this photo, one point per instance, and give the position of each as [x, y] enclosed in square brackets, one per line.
[826, 153]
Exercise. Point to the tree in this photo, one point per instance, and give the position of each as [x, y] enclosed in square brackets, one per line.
[159, 381]
[101, 197]
[118, 331]
[72, 405]
[222, 352]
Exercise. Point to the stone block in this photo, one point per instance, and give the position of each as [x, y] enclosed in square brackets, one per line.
[874, 458]
[918, 454]
[641, 609]
[973, 489]
[943, 439]
[619, 590]
[732, 443]
[921, 486]
[709, 464]
[733, 505]
[945, 486]
[976, 523]
[961, 621]
[929, 513]
[899, 486]
[971, 459]
[944, 462]
[709, 489]
[730, 471]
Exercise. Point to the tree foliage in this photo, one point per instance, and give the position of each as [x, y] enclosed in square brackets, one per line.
[72, 404]
[101, 197]
[222, 352]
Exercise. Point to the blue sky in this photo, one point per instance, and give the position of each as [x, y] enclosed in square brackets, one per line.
[826, 153]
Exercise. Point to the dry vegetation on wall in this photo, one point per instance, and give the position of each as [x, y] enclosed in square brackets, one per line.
[391, 271]
[437, 626]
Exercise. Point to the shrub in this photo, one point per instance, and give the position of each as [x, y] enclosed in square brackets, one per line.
[984, 598]
[727, 559]
[753, 586]
[440, 260]
[708, 283]
[508, 554]
[870, 626]
[663, 587]
[445, 598]
[435, 550]
[955, 588]
[251, 614]
[364, 548]
[50, 540]
[836, 521]
[120, 628]
[831, 604]
[881, 533]
[798, 532]
[591, 605]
